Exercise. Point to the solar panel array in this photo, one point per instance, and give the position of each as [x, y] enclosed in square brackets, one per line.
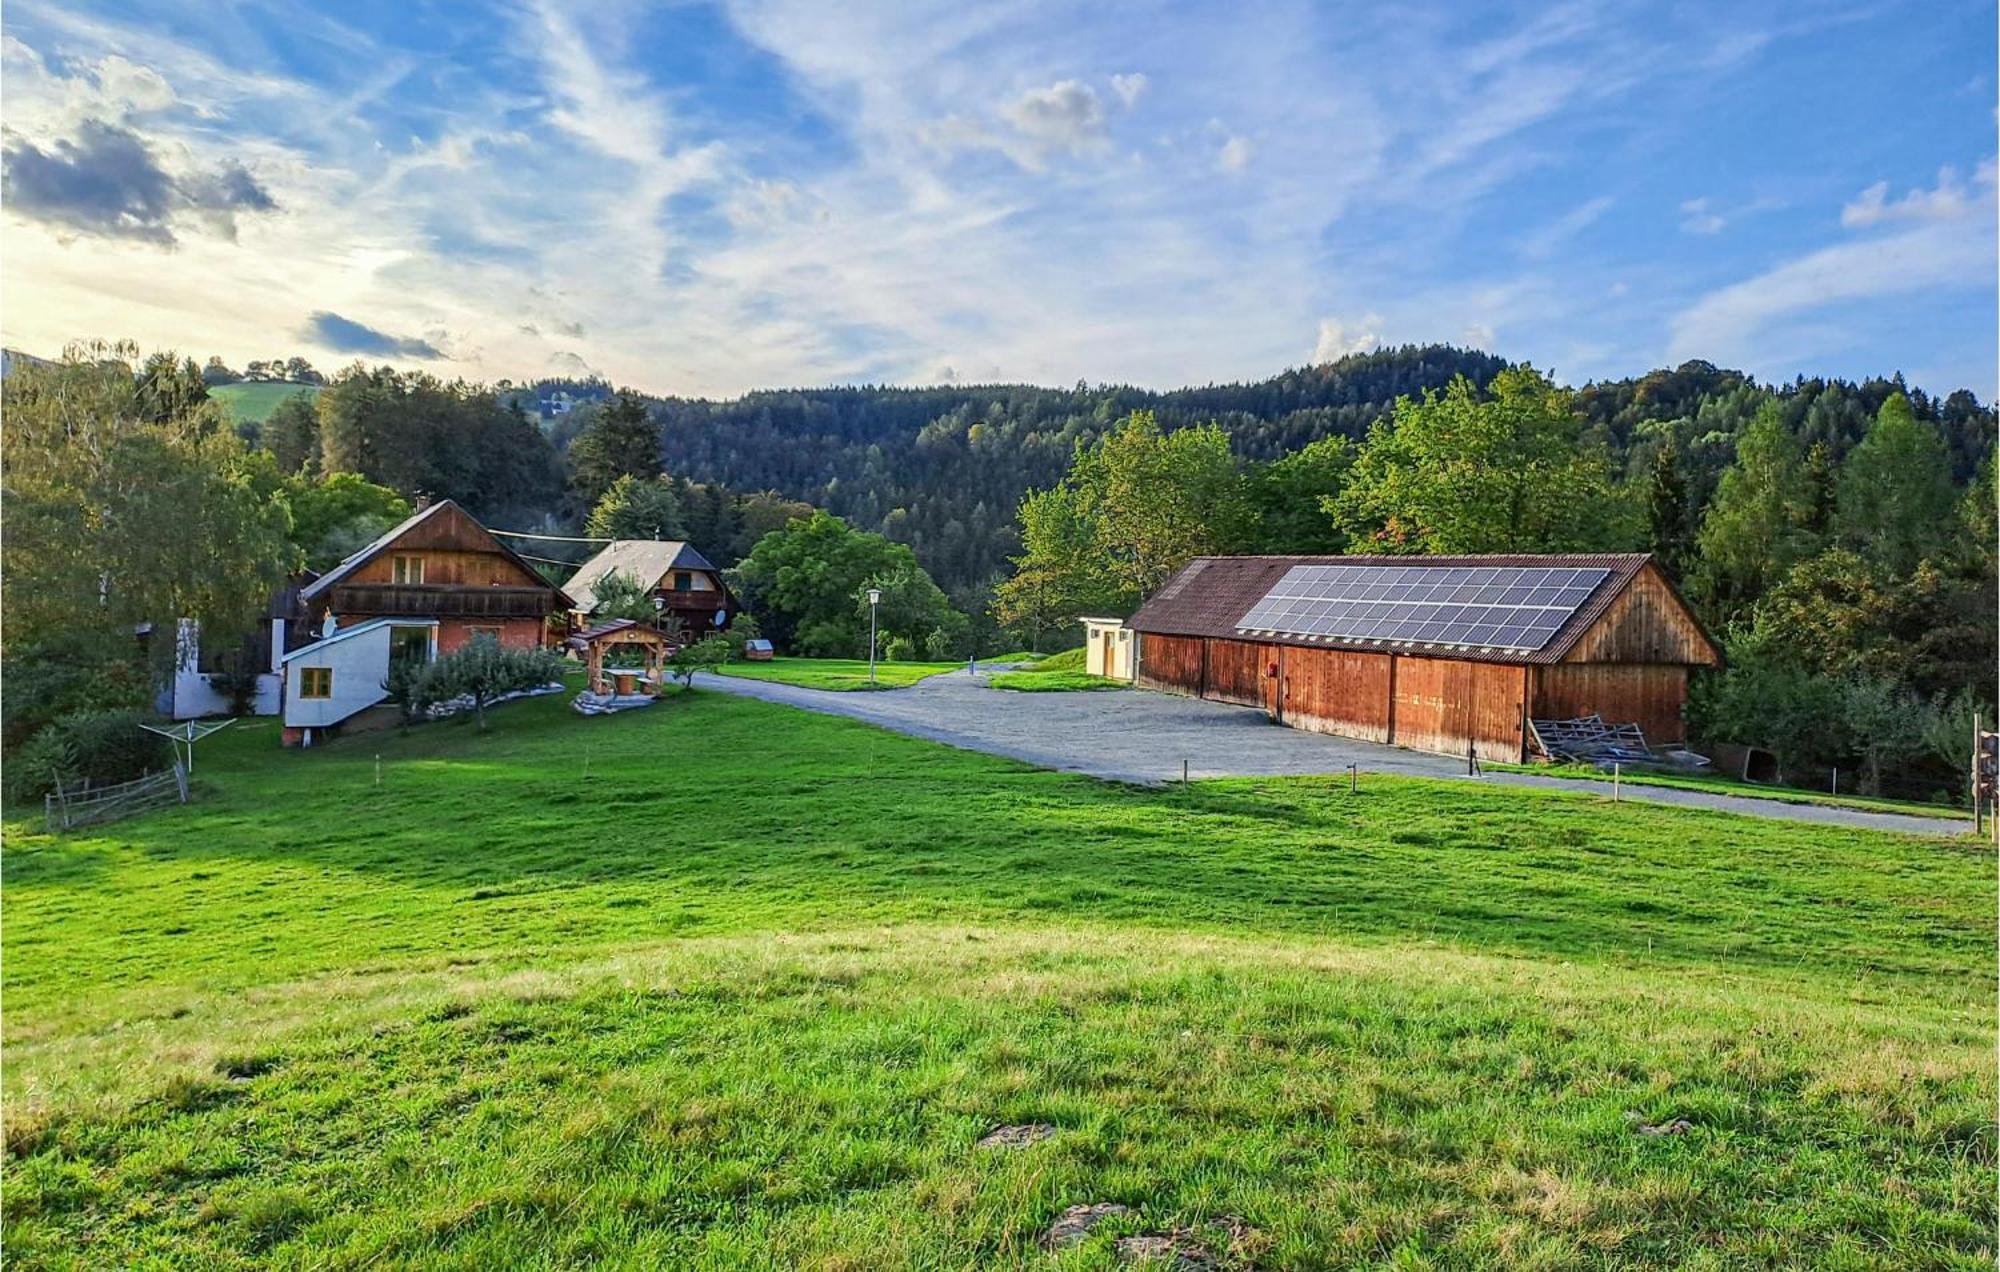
[1498, 607]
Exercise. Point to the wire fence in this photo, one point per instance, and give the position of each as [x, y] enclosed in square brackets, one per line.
[88, 805]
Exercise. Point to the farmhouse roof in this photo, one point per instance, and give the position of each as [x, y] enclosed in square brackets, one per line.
[645, 560]
[438, 510]
[1210, 596]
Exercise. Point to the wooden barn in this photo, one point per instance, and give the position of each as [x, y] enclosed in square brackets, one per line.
[1432, 653]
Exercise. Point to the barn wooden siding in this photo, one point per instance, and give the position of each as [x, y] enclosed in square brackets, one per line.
[1171, 663]
[1648, 694]
[1428, 704]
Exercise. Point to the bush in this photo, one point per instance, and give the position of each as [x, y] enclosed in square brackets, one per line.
[706, 654]
[39, 686]
[97, 747]
[481, 672]
[899, 649]
[740, 633]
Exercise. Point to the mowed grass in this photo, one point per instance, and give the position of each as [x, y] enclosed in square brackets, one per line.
[1753, 790]
[726, 984]
[1058, 673]
[838, 673]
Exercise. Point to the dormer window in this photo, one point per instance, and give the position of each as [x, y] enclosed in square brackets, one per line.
[408, 570]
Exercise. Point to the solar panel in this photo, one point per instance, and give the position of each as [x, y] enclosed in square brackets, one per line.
[1507, 607]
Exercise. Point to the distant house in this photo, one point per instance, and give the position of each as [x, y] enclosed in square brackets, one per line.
[427, 587]
[684, 583]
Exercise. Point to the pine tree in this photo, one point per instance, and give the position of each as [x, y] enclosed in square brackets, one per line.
[1894, 500]
[621, 441]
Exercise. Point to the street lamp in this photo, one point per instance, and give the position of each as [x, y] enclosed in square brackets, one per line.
[874, 599]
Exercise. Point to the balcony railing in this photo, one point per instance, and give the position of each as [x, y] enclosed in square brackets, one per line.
[440, 602]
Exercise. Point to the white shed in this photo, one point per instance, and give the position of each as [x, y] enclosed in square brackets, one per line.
[1107, 645]
[331, 679]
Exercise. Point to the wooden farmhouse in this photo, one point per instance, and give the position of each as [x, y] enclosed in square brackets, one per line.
[441, 564]
[1437, 654]
[427, 587]
[684, 583]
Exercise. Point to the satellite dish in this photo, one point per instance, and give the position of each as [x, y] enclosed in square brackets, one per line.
[721, 617]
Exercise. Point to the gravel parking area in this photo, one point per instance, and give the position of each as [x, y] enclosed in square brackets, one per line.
[1139, 736]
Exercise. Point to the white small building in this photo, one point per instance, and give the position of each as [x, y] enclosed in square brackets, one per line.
[348, 671]
[1108, 648]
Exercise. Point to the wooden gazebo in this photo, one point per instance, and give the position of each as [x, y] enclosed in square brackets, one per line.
[622, 633]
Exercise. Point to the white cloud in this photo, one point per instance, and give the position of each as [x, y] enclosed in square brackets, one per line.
[1129, 88]
[1065, 116]
[1699, 217]
[1744, 323]
[1950, 199]
[1544, 240]
[1338, 338]
[1235, 154]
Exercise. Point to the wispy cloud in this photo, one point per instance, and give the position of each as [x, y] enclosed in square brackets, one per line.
[1938, 240]
[786, 191]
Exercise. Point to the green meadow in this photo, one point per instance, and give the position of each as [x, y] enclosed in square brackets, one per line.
[725, 984]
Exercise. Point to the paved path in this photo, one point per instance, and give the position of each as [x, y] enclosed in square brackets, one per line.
[1134, 735]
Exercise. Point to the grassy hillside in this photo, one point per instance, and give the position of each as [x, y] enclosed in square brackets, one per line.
[726, 984]
[253, 403]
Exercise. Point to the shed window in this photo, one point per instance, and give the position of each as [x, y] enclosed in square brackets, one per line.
[683, 581]
[408, 569]
[315, 682]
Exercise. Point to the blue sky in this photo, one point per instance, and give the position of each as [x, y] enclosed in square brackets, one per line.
[707, 198]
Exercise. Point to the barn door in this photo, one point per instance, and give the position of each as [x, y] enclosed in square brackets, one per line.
[1274, 682]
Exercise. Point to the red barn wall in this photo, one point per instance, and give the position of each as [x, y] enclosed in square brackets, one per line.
[1170, 663]
[1337, 691]
[1651, 695]
[1236, 671]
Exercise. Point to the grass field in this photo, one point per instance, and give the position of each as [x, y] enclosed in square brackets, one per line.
[1754, 790]
[838, 673]
[726, 984]
[253, 403]
[1058, 673]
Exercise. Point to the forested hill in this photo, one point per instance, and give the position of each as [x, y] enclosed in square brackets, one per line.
[944, 469]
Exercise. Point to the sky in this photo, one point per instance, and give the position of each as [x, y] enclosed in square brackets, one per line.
[706, 198]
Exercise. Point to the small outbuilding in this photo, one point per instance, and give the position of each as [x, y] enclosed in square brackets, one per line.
[1444, 654]
[1107, 648]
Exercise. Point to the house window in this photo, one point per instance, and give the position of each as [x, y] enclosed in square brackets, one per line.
[683, 581]
[315, 682]
[408, 569]
[488, 633]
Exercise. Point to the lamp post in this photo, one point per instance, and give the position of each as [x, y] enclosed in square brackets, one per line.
[874, 599]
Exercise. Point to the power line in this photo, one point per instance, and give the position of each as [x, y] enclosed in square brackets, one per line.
[546, 560]
[556, 538]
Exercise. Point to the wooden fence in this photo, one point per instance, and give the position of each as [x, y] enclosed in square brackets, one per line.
[68, 809]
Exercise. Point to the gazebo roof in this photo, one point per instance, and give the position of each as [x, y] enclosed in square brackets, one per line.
[619, 631]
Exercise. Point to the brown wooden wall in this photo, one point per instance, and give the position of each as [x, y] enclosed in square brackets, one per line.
[1646, 624]
[1650, 694]
[446, 568]
[1236, 671]
[1337, 691]
[1171, 663]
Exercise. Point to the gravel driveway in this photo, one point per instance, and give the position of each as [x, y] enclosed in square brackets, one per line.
[1135, 735]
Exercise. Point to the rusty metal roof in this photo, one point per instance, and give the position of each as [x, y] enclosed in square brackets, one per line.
[1209, 596]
